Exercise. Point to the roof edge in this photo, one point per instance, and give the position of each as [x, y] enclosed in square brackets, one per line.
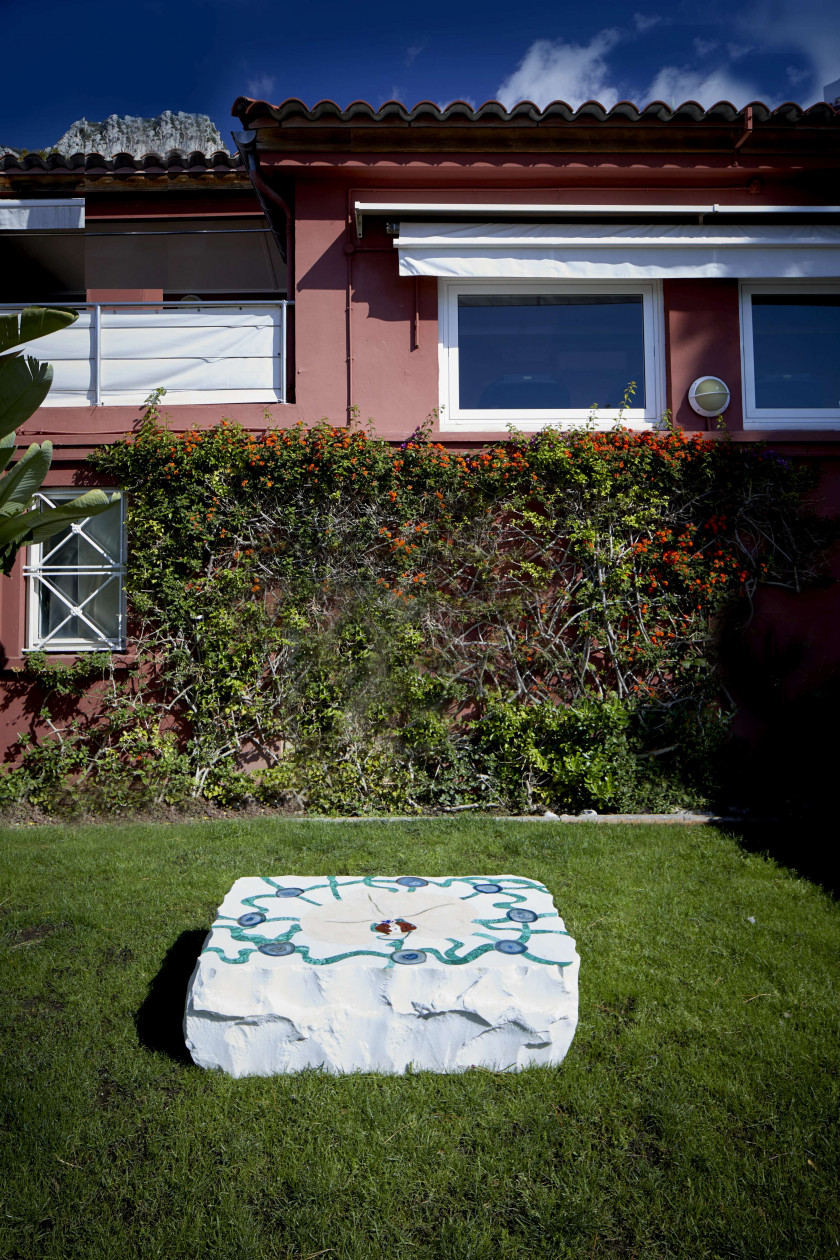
[248, 110]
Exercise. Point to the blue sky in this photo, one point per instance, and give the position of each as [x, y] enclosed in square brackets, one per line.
[90, 58]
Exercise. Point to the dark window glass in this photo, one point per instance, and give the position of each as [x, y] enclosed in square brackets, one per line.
[549, 351]
[796, 349]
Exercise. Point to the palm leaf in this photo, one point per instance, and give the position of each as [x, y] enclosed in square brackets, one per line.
[13, 508]
[16, 528]
[34, 321]
[7, 449]
[53, 520]
[24, 384]
[27, 475]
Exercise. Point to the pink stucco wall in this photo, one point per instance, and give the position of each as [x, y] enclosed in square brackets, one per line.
[366, 338]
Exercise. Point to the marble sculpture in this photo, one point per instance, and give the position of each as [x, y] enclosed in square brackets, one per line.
[383, 974]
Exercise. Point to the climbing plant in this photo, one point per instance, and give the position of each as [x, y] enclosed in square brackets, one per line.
[324, 620]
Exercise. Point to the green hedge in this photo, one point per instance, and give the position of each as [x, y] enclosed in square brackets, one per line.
[414, 629]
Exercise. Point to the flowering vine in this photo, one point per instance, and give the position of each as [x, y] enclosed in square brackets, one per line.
[532, 623]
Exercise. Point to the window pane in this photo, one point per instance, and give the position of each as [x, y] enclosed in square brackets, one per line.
[102, 610]
[549, 351]
[59, 582]
[796, 349]
[73, 548]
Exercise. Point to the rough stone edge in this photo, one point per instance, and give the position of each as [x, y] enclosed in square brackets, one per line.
[172, 818]
[681, 819]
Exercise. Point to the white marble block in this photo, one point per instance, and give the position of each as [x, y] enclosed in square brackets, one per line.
[379, 974]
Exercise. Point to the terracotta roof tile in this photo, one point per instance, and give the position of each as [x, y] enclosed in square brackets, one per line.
[152, 164]
[293, 110]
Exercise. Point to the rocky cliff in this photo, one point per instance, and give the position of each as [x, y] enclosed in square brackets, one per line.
[168, 133]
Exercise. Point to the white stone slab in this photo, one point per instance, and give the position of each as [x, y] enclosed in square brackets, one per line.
[380, 973]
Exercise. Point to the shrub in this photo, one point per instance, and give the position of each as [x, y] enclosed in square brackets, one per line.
[417, 628]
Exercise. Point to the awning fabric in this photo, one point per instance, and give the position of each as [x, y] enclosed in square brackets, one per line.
[604, 251]
[53, 215]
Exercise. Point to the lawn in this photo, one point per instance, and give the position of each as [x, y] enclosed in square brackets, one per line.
[695, 1115]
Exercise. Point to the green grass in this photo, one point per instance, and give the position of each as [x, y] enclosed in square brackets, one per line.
[695, 1115]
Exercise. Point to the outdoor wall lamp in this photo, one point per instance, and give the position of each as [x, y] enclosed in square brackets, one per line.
[709, 396]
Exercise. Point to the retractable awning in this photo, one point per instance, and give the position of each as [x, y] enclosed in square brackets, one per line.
[604, 251]
[43, 215]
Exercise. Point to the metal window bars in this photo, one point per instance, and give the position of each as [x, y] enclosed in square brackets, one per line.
[50, 582]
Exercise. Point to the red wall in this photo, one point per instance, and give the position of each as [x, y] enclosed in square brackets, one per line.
[702, 338]
[367, 338]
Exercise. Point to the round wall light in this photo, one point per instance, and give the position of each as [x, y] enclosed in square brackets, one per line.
[709, 396]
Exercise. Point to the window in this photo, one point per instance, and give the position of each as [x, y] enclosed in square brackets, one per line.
[74, 583]
[791, 355]
[536, 353]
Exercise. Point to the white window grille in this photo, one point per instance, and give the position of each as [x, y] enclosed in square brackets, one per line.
[74, 582]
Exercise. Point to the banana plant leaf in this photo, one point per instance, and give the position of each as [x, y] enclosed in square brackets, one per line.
[27, 475]
[24, 384]
[37, 527]
[34, 321]
[7, 449]
[53, 520]
[13, 508]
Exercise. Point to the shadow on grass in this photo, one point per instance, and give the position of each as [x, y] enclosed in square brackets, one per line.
[159, 1021]
[806, 845]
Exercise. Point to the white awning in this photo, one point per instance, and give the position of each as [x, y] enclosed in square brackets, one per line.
[53, 215]
[603, 251]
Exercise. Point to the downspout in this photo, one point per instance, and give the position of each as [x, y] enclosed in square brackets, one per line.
[745, 134]
[246, 144]
[349, 250]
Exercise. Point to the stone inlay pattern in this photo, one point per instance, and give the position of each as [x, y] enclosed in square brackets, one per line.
[377, 973]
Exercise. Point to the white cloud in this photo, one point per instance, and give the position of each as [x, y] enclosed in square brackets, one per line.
[644, 21]
[261, 87]
[412, 53]
[552, 70]
[736, 51]
[809, 27]
[676, 84]
[797, 75]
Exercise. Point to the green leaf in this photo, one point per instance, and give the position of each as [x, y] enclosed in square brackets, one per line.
[13, 508]
[7, 449]
[55, 519]
[16, 528]
[27, 475]
[24, 384]
[34, 321]
[36, 527]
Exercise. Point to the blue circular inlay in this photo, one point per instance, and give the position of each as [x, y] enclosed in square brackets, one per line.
[522, 916]
[487, 888]
[412, 881]
[510, 947]
[289, 892]
[251, 919]
[409, 956]
[277, 949]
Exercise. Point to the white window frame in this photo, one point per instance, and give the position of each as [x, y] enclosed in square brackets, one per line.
[38, 571]
[778, 417]
[453, 416]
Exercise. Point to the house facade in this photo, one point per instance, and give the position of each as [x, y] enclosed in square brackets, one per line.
[484, 267]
